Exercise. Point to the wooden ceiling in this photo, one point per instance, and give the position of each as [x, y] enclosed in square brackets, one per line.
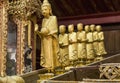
[81, 10]
[67, 8]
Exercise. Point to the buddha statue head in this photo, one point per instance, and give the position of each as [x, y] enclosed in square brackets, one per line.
[87, 28]
[92, 27]
[46, 8]
[62, 29]
[70, 28]
[98, 28]
[79, 26]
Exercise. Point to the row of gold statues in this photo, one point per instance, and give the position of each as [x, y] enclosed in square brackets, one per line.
[68, 49]
[83, 46]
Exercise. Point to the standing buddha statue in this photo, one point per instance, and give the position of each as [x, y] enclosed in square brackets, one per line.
[95, 39]
[72, 45]
[63, 43]
[89, 44]
[49, 38]
[81, 46]
[101, 46]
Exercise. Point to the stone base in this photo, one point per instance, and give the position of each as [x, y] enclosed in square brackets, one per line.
[101, 81]
[45, 76]
[98, 58]
[59, 71]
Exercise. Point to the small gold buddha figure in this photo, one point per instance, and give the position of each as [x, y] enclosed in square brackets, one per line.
[72, 45]
[89, 44]
[81, 46]
[63, 43]
[101, 46]
[49, 38]
[95, 39]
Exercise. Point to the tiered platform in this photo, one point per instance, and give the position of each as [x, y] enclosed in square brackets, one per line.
[87, 74]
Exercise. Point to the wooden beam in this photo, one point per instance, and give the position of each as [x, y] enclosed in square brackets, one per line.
[92, 19]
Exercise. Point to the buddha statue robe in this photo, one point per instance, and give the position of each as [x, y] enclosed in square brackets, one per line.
[95, 43]
[81, 38]
[73, 46]
[63, 42]
[89, 46]
[49, 43]
[101, 43]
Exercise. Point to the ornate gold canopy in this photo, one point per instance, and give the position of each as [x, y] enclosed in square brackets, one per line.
[22, 9]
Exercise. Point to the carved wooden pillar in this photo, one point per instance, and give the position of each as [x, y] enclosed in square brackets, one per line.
[20, 46]
[3, 36]
[29, 33]
[34, 20]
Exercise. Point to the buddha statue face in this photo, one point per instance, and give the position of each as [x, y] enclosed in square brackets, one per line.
[62, 29]
[92, 27]
[98, 28]
[87, 29]
[80, 27]
[70, 28]
[45, 11]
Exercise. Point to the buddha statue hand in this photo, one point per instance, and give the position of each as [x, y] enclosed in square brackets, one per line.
[44, 31]
[79, 40]
[61, 44]
[70, 41]
[87, 40]
[99, 40]
[36, 27]
[84, 40]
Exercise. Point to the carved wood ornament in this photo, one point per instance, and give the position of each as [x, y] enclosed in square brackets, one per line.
[3, 36]
[22, 11]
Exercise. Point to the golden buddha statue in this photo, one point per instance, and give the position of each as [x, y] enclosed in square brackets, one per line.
[89, 44]
[95, 39]
[72, 44]
[49, 38]
[101, 46]
[81, 38]
[63, 43]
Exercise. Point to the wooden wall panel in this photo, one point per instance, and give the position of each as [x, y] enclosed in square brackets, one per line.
[117, 41]
[109, 41]
[112, 38]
